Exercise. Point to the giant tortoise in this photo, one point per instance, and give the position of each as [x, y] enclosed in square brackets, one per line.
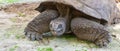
[87, 19]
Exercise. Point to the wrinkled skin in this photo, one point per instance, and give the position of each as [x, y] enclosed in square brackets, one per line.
[92, 31]
[40, 24]
[58, 26]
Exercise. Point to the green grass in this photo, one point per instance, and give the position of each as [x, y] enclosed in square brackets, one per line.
[13, 19]
[16, 31]
[8, 1]
[83, 49]
[21, 14]
[67, 36]
[11, 1]
[13, 48]
[45, 49]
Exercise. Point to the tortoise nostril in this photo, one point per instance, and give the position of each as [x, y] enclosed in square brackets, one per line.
[60, 26]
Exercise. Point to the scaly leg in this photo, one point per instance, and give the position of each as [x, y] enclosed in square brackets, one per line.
[40, 24]
[89, 30]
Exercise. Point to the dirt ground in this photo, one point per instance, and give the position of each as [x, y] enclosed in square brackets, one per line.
[14, 18]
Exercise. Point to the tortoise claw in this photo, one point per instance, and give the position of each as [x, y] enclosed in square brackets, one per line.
[36, 36]
[33, 35]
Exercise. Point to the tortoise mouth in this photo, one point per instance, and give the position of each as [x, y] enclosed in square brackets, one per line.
[57, 33]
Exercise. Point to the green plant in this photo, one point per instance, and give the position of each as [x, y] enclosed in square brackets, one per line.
[45, 49]
[11, 1]
[13, 48]
[8, 1]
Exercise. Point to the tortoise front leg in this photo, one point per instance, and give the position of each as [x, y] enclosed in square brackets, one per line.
[40, 24]
[89, 30]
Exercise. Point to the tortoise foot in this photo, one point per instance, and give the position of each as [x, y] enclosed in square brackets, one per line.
[104, 41]
[33, 36]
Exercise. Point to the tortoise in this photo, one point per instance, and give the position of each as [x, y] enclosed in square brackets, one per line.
[99, 14]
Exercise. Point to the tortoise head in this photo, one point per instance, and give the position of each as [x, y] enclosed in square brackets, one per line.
[57, 27]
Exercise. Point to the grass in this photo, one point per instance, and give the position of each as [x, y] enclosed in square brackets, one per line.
[67, 36]
[83, 49]
[13, 19]
[13, 48]
[16, 31]
[21, 14]
[11, 1]
[8, 1]
[45, 49]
